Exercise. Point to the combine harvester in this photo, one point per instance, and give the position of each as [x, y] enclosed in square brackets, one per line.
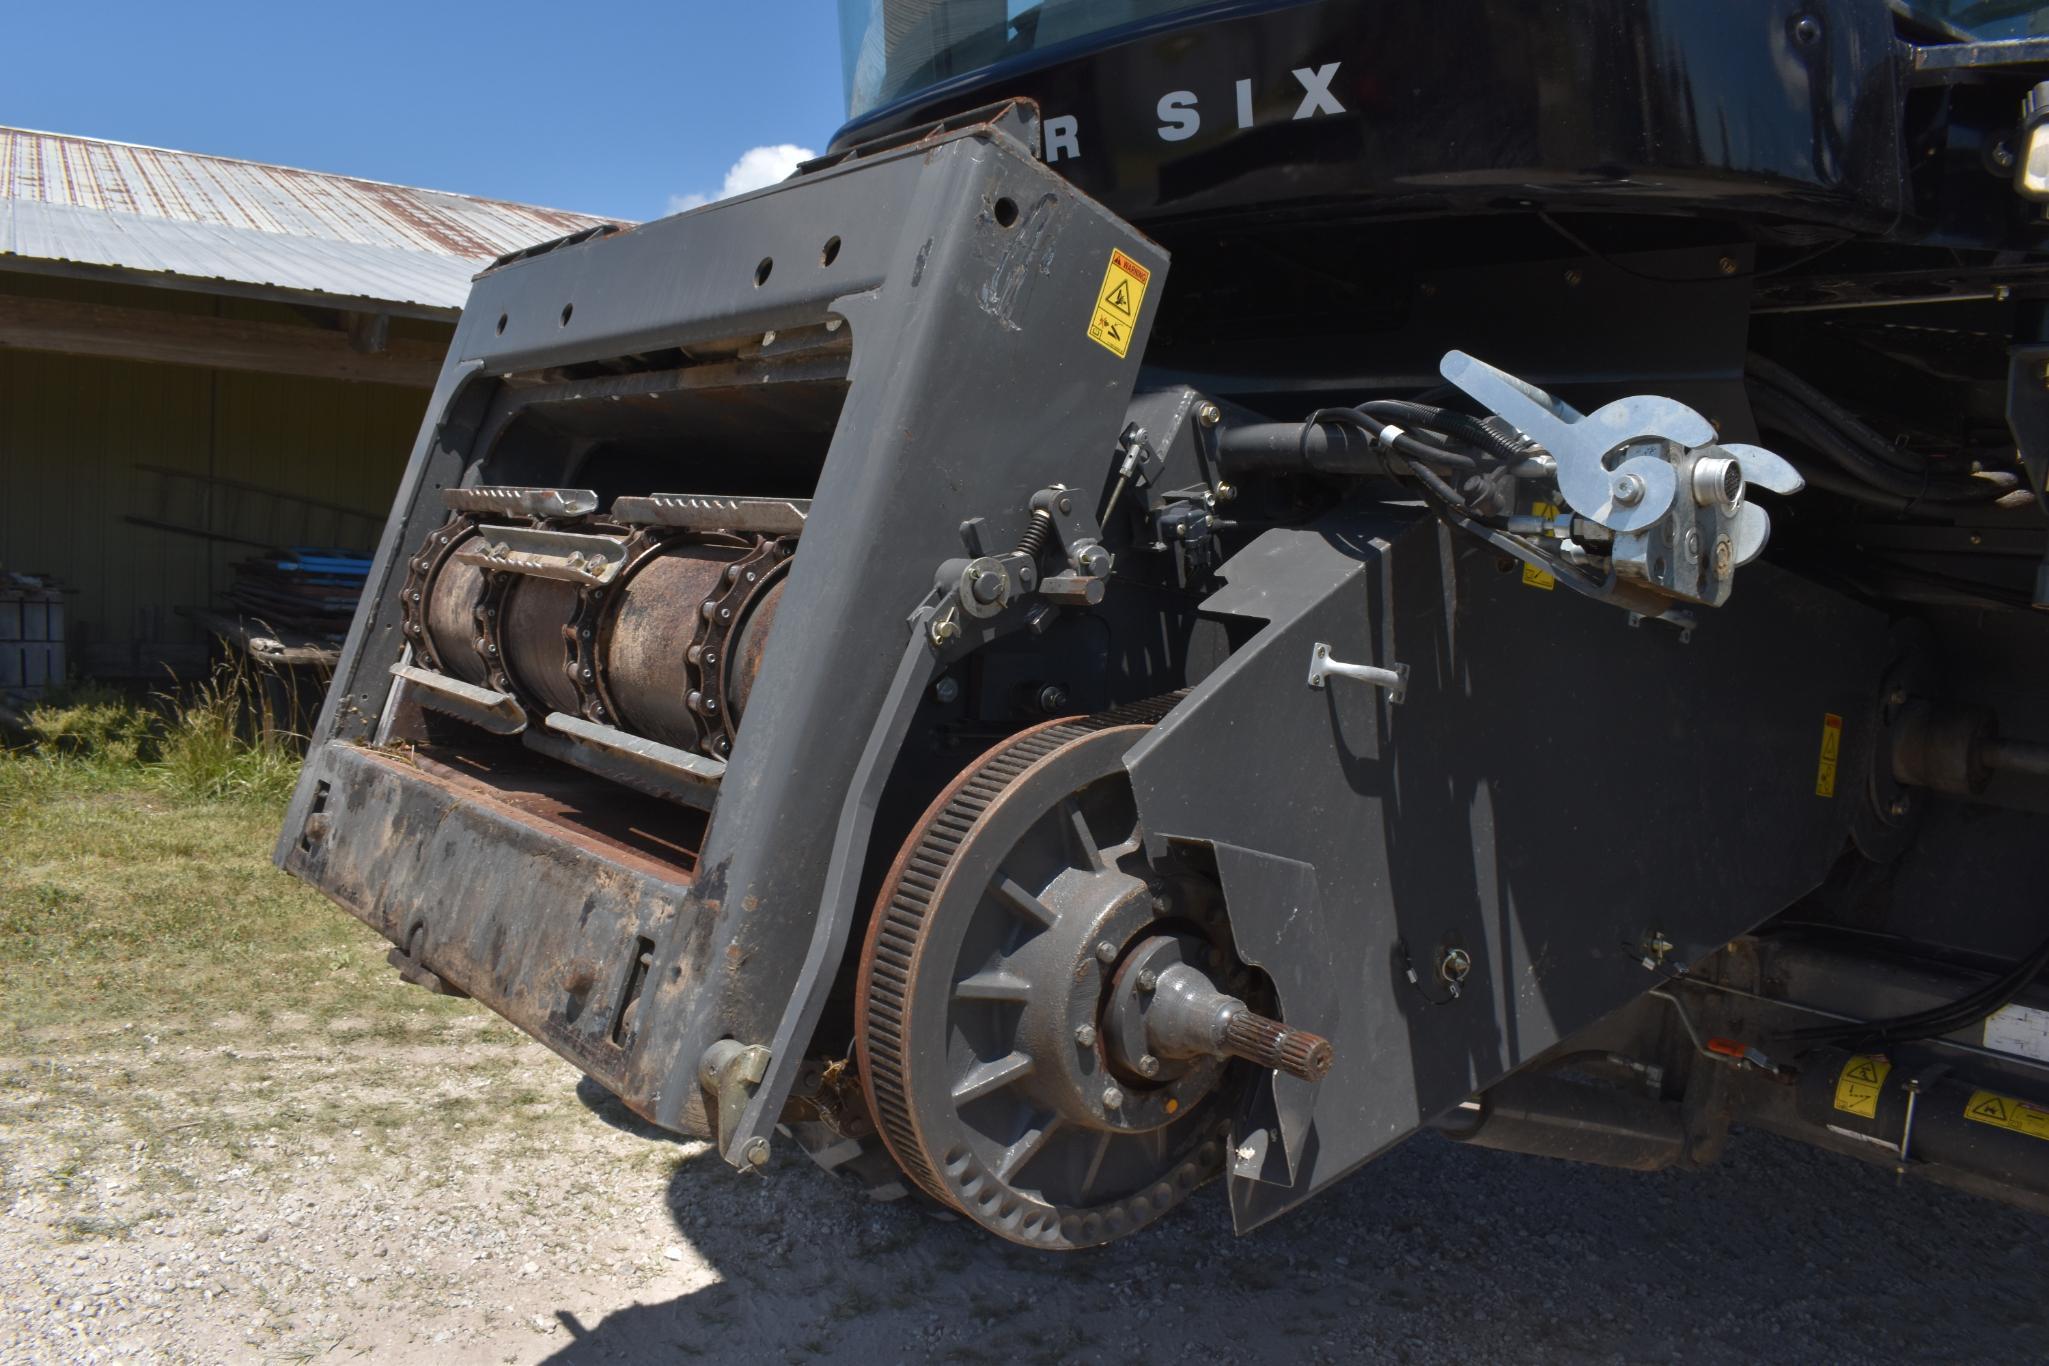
[1218, 585]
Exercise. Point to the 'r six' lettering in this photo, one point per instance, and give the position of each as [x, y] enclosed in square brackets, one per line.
[1181, 117]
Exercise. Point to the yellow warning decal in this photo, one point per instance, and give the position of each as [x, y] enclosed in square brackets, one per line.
[1117, 303]
[1534, 577]
[1831, 746]
[2004, 1112]
[1857, 1088]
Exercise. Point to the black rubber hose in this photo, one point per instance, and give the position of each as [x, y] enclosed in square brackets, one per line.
[1287, 448]
[1936, 1021]
[1787, 401]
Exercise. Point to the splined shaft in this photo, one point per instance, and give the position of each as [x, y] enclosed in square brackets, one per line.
[1186, 1016]
[1265, 1042]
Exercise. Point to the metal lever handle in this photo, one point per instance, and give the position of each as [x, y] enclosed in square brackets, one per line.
[1322, 666]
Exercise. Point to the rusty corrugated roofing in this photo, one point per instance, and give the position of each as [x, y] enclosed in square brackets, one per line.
[199, 217]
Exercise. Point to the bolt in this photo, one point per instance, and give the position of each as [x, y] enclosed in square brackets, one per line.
[1692, 543]
[1628, 490]
[1226, 491]
[756, 1152]
[1725, 557]
[733, 573]
[1106, 952]
[1149, 1066]
[946, 689]
[1807, 30]
[1163, 902]
[1726, 265]
[1085, 1035]
[987, 584]
[1572, 279]
[1148, 980]
[1066, 503]
[1209, 414]
[1453, 965]
[1112, 1098]
[1052, 698]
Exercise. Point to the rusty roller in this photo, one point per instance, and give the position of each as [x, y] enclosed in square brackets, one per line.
[668, 648]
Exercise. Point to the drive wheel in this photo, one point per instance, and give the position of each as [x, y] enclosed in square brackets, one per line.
[984, 1029]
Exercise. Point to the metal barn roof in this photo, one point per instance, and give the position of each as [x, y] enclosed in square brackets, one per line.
[118, 210]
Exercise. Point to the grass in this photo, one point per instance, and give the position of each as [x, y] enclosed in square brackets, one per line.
[135, 875]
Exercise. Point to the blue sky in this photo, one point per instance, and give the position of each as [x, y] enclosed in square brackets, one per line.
[621, 109]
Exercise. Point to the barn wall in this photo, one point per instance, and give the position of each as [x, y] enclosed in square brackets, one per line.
[75, 434]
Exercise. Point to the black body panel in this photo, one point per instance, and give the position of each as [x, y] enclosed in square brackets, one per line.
[1777, 108]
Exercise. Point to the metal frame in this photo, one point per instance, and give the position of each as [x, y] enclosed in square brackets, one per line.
[959, 255]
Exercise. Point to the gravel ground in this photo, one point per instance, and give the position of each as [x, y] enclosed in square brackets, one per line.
[283, 1195]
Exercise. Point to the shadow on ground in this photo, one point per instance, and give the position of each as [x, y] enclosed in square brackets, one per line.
[1433, 1253]
[609, 1108]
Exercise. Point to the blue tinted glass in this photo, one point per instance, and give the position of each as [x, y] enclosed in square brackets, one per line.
[890, 48]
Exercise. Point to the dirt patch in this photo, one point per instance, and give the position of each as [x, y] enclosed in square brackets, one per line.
[228, 1134]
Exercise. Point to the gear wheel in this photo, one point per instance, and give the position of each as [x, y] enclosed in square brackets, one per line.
[997, 942]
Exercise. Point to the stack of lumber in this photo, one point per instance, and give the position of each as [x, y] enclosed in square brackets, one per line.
[305, 590]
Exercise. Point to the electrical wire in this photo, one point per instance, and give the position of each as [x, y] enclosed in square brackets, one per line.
[1717, 278]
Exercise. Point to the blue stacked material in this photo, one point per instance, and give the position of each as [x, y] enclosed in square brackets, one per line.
[308, 590]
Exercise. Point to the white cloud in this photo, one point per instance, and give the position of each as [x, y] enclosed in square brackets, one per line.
[756, 168]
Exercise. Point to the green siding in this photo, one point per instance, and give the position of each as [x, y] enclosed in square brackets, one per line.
[73, 431]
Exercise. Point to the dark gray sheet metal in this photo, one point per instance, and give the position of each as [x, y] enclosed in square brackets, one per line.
[1556, 789]
[966, 273]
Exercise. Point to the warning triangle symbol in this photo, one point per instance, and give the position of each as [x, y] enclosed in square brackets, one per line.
[1862, 1070]
[1992, 1107]
[1119, 298]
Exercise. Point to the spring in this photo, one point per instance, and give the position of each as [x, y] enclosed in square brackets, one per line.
[1033, 542]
